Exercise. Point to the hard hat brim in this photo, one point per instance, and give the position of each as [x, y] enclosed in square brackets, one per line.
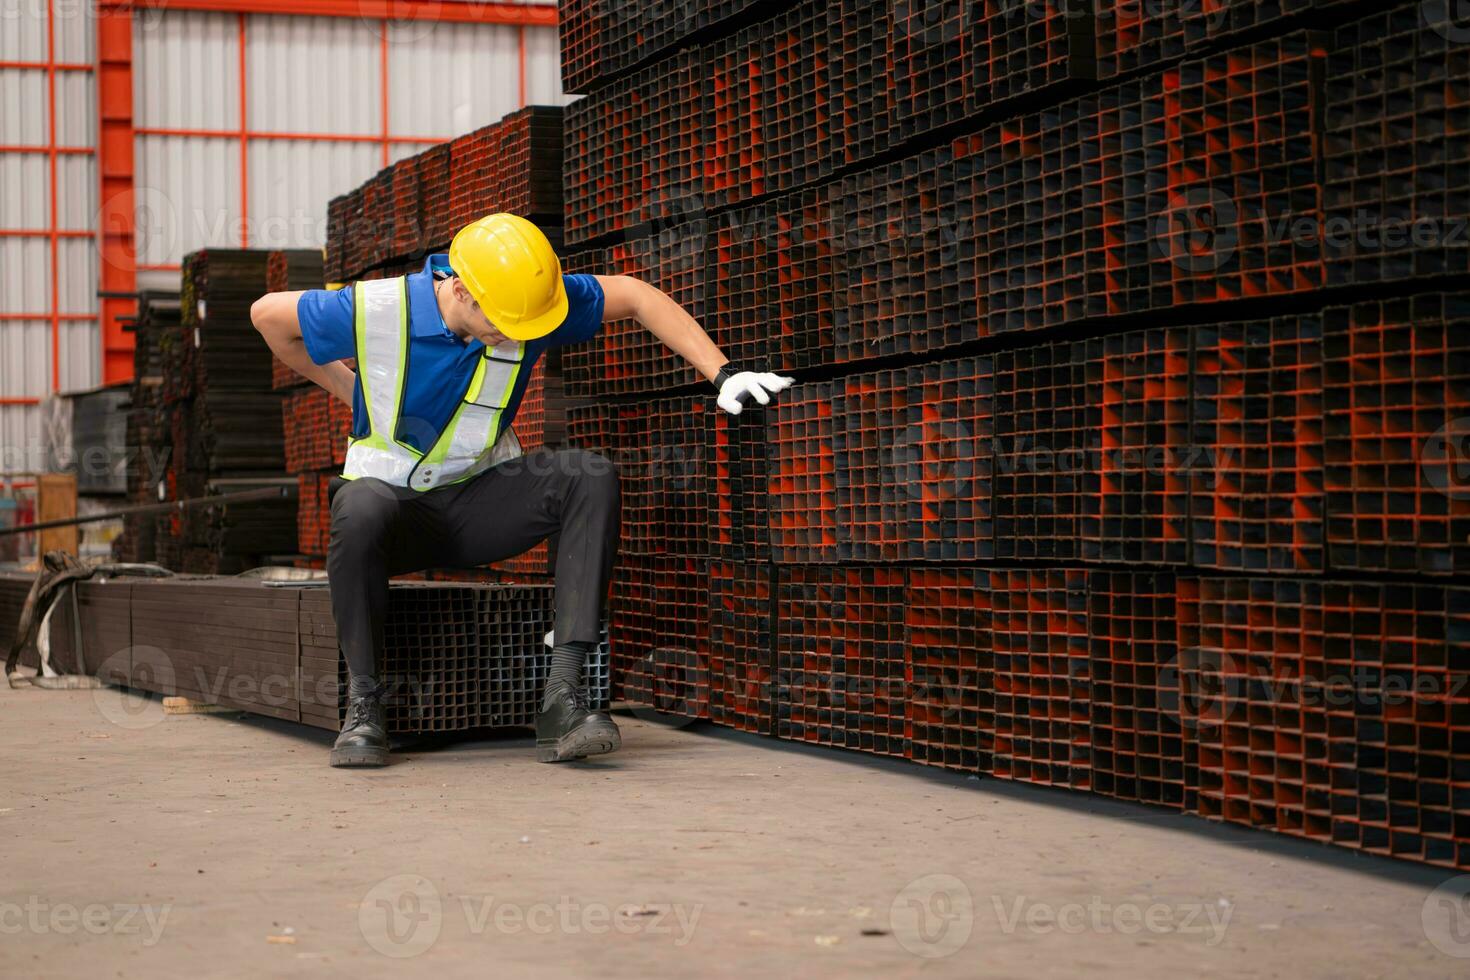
[537, 326]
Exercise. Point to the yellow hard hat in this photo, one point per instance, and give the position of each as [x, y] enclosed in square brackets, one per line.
[512, 272]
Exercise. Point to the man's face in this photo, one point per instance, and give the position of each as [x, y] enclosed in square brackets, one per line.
[474, 319]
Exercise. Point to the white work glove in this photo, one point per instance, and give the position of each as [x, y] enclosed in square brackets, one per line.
[737, 387]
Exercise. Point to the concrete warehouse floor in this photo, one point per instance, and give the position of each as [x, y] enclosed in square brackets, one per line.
[225, 846]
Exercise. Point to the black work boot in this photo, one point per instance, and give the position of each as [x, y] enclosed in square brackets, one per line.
[364, 739]
[567, 729]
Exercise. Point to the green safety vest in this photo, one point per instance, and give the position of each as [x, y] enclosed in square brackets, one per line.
[471, 443]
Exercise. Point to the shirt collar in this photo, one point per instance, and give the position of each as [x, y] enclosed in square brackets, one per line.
[425, 320]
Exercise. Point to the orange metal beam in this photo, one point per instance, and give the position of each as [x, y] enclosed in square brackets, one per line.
[230, 134]
[244, 144]
[60, 150]
[115, 175]
[445, 11]
[55, 198]
[43, 233]
[43, 66]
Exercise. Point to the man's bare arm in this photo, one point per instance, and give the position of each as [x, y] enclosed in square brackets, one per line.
[274, 315]
[624, 296]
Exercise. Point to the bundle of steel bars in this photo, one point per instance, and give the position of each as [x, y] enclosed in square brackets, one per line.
[456, 657]
[221, 410]
[156, 333]
[1127, 454]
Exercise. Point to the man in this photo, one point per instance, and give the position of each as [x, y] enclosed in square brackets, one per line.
[435, 475]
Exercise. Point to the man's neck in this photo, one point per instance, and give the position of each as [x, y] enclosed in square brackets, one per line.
[444, 297]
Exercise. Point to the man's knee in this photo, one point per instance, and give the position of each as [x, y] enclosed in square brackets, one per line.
[594, 473]
[365, 505]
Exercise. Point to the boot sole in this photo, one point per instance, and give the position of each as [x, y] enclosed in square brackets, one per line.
[578, 744]
[359, 758]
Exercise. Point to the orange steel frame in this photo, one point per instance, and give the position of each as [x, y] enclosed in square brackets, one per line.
[116, 132]
[51, 233]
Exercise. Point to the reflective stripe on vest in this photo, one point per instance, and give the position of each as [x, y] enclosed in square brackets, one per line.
[472, 441]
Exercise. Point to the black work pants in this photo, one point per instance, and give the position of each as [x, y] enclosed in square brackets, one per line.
[379, 530]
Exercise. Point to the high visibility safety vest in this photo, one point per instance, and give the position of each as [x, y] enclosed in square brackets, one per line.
[471, 443]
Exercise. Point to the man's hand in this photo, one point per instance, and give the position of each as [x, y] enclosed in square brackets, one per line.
[739, 387]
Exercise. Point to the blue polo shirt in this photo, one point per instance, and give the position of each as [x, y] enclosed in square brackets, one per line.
[439, 363]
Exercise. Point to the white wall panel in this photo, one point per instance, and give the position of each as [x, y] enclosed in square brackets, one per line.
[186, 71]
[22, 30]
[402, 151]
[543, 67]
[25, 358]
[20, 438]
[75, 31]
[81, 355]
[25, 191]
[313, 75]
[25, 277]
[188, 196]
[452, 78]
[76, 109]
[76, 205]
[78, 275]
[23, 107]
[291, 182]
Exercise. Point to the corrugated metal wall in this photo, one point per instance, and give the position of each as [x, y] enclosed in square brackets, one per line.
[314, 125]
[49, 61]
[314, 116]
